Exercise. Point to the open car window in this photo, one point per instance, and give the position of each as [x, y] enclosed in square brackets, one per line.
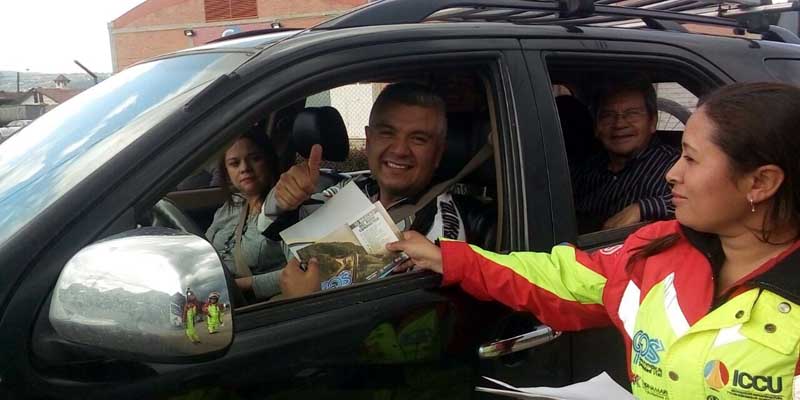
[618, 151]
[336, 117]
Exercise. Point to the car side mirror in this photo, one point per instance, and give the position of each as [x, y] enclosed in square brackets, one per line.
[147, 295]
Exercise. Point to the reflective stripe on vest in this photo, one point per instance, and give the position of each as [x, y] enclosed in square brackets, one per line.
[629, 308]
[674, 313]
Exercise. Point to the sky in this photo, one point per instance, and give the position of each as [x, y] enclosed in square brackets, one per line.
[46, 35]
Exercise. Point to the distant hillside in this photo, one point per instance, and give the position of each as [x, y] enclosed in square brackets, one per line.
[29, 80]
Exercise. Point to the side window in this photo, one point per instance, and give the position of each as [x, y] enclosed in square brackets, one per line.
[622, 132]
[418, 146]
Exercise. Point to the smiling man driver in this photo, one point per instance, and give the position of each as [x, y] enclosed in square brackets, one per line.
[405, 143]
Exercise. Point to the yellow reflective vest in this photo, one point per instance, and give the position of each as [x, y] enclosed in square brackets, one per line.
[682, 342]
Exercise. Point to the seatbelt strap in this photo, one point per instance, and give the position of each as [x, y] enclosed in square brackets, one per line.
[242, 269]
[404, 211]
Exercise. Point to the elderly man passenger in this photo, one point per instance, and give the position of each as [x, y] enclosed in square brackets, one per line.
[625, 184]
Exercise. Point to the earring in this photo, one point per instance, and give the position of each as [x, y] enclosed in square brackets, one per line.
[752, 205]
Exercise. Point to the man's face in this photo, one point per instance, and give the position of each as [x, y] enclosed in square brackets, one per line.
[623, 124]
[404, 146]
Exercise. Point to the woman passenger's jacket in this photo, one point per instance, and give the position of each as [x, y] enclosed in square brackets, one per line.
[681, 343]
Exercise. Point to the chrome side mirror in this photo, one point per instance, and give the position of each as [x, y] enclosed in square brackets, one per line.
[147, 294]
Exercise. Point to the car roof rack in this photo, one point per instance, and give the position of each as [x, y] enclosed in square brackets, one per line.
[751, 15]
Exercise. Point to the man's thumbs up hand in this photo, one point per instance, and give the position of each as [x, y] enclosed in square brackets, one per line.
[298, 183]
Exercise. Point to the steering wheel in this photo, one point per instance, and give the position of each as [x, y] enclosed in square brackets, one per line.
[166, 213]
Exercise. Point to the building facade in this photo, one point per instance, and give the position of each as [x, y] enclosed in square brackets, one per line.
[159, 26]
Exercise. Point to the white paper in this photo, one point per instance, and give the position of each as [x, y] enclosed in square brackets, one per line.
[347, 201]
[373, 231]
[599, 387]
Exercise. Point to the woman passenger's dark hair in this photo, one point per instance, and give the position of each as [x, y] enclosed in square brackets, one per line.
[756, 124]
[258, 136]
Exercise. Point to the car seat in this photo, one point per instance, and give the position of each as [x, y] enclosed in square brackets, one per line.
[325, 126]
[577, 126]
[475, 194]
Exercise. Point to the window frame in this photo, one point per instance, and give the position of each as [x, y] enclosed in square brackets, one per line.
[694, 68]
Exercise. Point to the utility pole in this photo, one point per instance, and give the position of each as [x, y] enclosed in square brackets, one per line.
[92, 74]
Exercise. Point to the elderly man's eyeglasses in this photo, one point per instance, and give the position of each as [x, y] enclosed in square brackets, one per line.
[631, 116]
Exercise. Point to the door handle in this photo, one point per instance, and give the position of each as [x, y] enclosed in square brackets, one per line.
[541, 335]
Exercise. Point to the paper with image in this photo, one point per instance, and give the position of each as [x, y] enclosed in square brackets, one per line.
[347, 235]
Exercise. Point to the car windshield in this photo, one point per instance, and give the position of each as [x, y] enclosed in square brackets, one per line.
[61, 148]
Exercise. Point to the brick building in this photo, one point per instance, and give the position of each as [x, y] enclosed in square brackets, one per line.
[160, 26]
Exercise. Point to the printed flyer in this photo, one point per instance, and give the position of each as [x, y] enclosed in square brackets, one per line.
[347, 235]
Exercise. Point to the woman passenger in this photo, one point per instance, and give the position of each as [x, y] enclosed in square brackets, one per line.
[709, 304]
[248, 167]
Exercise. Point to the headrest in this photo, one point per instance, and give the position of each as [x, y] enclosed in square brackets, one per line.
[577, 126]
[573, 114]
[321, 125]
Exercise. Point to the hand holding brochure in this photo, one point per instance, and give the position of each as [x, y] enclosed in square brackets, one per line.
[348, 236]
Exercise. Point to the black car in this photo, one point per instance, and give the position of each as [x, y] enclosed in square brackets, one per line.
[101, 257]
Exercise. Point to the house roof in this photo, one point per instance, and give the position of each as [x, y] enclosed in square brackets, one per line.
[59, 95]
[61, 78]
[12, 98]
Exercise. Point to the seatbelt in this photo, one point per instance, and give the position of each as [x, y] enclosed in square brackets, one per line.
[242, 269]
[404, 211]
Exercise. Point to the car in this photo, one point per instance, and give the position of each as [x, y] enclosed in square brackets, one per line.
[98, 250]
[12, 127]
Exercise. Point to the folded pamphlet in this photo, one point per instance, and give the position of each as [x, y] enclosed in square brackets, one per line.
[348, 237]
[599, 387]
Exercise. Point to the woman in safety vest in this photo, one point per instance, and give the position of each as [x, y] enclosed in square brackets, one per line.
[189, 315]
[708, 305]
[213, 311]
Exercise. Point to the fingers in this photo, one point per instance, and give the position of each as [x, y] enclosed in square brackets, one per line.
[410, 240]
[404, 266]
[313, 267]
[395, 246]
[295, 282]
[294, 187]
[409, 235]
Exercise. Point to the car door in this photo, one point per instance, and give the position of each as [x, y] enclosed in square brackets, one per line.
[587, 359]
[314, 345]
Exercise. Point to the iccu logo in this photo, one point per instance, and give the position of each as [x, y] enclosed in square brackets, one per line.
[716, 374]
[646, 348]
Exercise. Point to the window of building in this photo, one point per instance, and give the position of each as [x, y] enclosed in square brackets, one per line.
[221, 10]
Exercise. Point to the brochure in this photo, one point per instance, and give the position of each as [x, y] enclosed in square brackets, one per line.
[348, 236]
[599, 387]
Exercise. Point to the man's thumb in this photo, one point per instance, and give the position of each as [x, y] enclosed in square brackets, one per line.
[315, 159]
[395, 246]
